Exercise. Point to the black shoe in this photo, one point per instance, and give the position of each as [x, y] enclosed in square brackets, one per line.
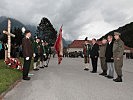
[86, 69]
[36, 69]
[103, 74]
[118, 79]
[93, 72]
[42, 67]
[26, 78]
[109, 77]
[46, 66]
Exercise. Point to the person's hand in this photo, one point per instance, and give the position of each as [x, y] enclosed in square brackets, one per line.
[118, 58]
[95, 56]
[27, 58]
[34, 55]
[112, 58]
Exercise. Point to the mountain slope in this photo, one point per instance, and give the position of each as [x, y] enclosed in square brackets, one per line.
[126, 34]
[14, 23]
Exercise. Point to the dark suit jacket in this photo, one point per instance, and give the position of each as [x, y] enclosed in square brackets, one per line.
[27, 47]
[109, 52]
[94, 50]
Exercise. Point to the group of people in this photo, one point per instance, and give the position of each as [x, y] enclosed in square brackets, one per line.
[39, 50]
[110, 53]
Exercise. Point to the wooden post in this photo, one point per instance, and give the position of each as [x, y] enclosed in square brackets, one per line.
[9, 34]
[9, 39]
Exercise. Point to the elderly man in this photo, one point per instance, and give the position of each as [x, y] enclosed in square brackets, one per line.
[118, 50]
[94, 54]
[109, 57]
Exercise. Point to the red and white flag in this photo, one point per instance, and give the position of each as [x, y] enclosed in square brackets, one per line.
[59, 46]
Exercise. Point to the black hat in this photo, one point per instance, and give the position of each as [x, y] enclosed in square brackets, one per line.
[27, 31]
[86, 38]
[104, 39]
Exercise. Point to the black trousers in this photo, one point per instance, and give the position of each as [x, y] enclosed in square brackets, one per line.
[94, 63]
[26, 67]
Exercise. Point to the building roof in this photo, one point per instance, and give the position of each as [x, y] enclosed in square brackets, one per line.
[79, 44]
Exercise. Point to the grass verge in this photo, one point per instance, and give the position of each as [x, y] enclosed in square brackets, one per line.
[9, 76]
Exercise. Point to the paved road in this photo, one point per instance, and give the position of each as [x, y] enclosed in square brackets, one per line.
[69, 81]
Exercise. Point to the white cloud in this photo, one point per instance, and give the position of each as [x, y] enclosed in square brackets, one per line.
[91, 18]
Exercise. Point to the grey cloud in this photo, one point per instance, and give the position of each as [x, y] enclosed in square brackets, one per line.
[75, 15]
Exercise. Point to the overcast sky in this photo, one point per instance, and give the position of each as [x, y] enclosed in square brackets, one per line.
[80, 18]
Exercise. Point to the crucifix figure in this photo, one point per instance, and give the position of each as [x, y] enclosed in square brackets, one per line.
[9, 34]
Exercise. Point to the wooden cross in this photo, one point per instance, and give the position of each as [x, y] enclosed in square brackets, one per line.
[9, 34]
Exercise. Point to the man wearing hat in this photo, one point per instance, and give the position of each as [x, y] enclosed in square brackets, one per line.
[47, 53]
[118, 50]
[36, 48]
[86, 52]
[27, 54]
[102, 50]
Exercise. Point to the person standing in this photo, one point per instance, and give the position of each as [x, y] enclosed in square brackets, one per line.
[41, 54]
[27, 54]
[118, 50]
[48, 53]
[94, 55]
[86, 51]
[102, 50]
[36, 48]
[109, 57]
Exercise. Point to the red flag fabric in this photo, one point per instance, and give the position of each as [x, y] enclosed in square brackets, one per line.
[59, 46]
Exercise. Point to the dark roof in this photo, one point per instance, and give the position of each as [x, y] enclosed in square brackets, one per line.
[79, 44]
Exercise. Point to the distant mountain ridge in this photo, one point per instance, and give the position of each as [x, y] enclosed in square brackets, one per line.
[18, 24]
[126, 34]
[14, 23]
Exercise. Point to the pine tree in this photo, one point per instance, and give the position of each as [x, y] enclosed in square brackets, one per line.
[46, 31]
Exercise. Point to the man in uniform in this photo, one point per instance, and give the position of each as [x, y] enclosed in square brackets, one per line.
[47, 52]
[86, 52]
[102, 50]
[41, 54]
[118, 50]
[36, 48]
[27, 54]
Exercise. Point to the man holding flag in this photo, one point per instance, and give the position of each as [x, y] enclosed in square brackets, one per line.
[59, 46]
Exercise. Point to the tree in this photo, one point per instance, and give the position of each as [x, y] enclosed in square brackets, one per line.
[46, 31]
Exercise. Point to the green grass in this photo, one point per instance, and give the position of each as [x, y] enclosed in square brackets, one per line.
[8, 75]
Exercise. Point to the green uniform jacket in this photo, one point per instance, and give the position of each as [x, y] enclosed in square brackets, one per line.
[118, 48]
[102, 50]
[35, 47]
[86, 50]
[47, 49]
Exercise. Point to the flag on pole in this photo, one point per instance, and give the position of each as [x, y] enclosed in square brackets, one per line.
[59, 46]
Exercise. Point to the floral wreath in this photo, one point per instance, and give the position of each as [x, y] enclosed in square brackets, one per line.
[14, 63]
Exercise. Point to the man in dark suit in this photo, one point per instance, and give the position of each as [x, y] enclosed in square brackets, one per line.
[109, 57]
[94, 55]
[27, 54]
